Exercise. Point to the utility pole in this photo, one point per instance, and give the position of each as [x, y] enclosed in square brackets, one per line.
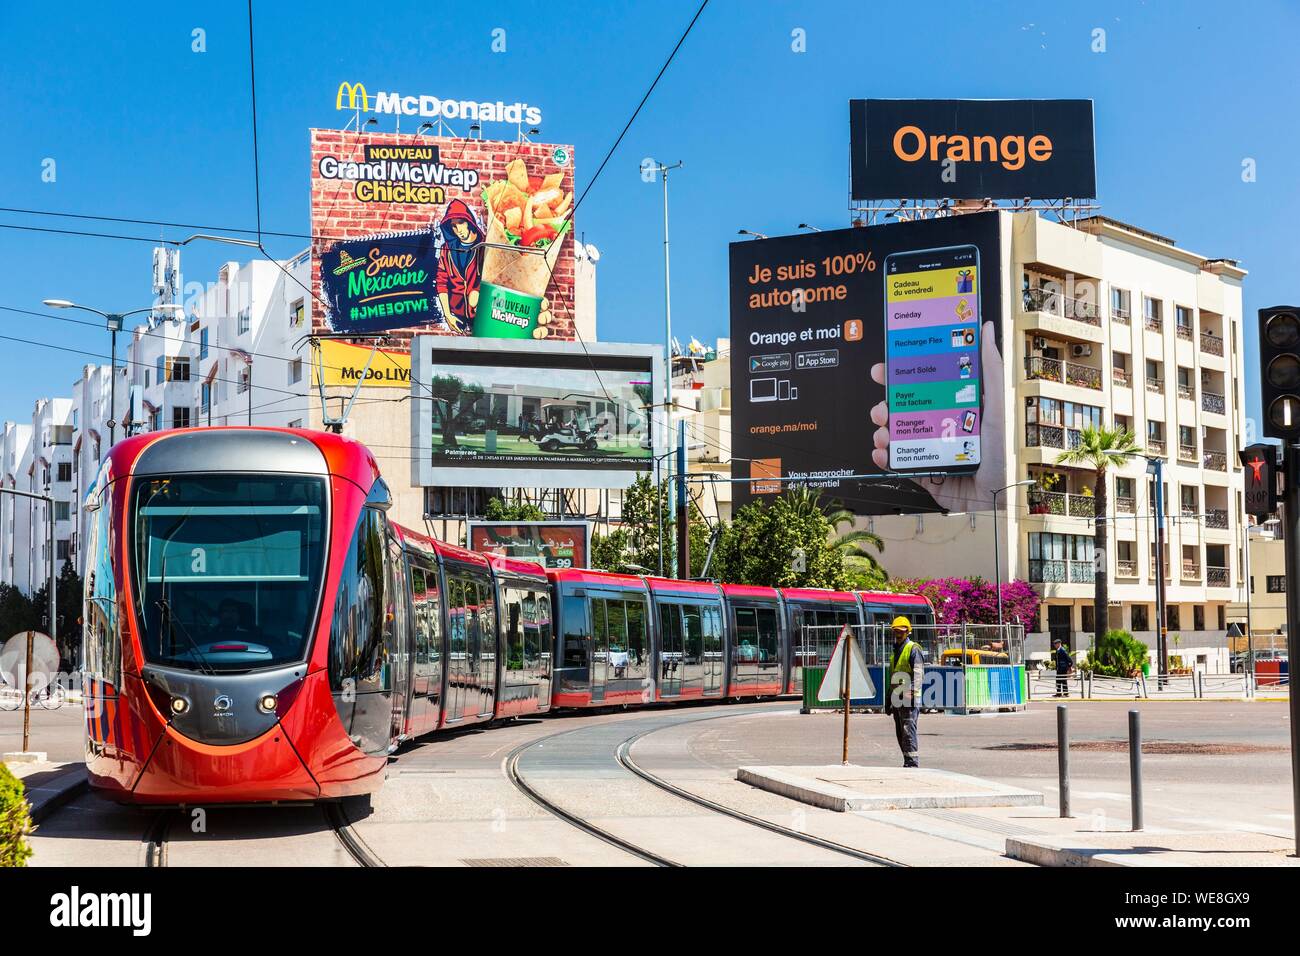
[1291, 528]
[1155, 467]
[682, 562]
[663, 169]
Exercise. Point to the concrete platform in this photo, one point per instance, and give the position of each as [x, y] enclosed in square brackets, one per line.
[1170, 848]
[850, 788]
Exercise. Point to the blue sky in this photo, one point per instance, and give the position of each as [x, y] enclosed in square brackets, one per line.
[141, 126]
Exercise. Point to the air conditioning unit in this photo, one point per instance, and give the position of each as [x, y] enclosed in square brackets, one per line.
[1040, 342]
[1079, 351]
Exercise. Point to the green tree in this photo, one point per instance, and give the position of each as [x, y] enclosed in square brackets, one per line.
[15, 821]
[854, 547]
[1101, 449]
[634, 546]
[17, 612]
[498, 510]
[784, 543]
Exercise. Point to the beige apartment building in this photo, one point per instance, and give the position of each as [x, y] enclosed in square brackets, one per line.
[1107, 323]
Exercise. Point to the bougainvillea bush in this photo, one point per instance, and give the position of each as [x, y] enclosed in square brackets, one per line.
[975, 600]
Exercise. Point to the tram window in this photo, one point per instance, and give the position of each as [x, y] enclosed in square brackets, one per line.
[638, 647]
[457, 623]
[693, 633]
[513, 606]
[544, 628]
[532, 636]
[102, 652]
[226, 568]
[357, 632]
[487, 623]
[574, 622]
[768, 638]
[420, 604]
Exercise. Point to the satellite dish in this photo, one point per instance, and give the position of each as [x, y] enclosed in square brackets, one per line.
[593, 253]
[13, 661]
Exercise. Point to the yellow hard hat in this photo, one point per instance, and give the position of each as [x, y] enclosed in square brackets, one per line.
[902, 623]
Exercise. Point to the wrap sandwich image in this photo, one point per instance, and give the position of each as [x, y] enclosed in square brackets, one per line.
[526, 225]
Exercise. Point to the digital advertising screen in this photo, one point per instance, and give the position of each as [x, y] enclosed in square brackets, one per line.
[867, 363]
[552, 544]
[558, 414]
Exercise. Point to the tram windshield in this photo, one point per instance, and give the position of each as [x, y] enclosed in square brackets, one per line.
[227, 568]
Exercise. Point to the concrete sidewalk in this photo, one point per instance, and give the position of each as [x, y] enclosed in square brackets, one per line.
[849, 788]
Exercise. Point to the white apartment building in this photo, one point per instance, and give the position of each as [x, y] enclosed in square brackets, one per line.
[1107, 323]
[15, 460]
[50, 472]
[92, 395]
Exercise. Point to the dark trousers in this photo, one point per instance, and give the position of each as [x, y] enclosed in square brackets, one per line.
[905, 720]
[1062, 685]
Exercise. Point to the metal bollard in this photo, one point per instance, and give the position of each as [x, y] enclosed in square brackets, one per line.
[1135, 764]
[1063, 756]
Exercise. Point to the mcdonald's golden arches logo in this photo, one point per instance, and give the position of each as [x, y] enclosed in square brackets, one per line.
[353, 90]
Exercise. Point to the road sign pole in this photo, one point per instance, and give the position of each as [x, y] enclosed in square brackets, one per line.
[1291, 530]
[848, 669]
[27, 697]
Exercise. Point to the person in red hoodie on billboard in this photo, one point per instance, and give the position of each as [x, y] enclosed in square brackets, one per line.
[459, 265]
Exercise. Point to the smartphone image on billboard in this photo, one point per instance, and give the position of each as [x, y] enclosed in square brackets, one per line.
[932, 359]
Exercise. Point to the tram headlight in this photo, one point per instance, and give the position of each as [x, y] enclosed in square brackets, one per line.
[267, 703]
[180, 705]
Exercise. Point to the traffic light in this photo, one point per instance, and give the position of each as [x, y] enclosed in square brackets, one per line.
[1279, 343]
[1259, 462]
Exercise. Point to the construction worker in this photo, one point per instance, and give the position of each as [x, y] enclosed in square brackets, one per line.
[903, 698]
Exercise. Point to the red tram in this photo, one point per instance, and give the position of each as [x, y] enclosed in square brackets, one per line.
[256, 629]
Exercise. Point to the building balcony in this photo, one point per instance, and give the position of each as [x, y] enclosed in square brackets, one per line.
[1153, 323]
[1156, 386]
[1121, 316]
[1217, 518]
[1042, 571]
[1156, 446]
[1187, 453]
[1121, 377]
[1217, 577]
[1213, 344]
[1215, 461]
[1062, 503]
[1191, 571]
[1125, 505]
[1126, 569]
[1056, 370]
[1213, 402]
[1062, 306]
[1184, 332]
[1187, 392]
[1052, 436]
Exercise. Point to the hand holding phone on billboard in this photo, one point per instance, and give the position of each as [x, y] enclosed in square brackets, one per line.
[970, 492]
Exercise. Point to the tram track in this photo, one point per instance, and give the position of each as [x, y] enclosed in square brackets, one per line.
[511, 765]
[622, 758]
[351, 841]
[155, 839]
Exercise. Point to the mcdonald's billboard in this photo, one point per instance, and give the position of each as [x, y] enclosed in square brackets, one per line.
[438, 234]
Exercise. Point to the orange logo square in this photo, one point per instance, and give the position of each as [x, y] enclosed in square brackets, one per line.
[765, 468]
[853, 330]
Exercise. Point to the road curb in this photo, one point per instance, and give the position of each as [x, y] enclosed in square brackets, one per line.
[45, 799]
[903, 788]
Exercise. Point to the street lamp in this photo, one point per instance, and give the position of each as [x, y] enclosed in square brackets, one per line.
[1155, 468]
[997, 557]
[746, 232]
[663, 169]
[113, 322]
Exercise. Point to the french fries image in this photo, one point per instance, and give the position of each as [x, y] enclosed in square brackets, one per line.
[524, 212]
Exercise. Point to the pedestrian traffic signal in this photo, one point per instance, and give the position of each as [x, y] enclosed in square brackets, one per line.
[1259, 463]
[1279, 343]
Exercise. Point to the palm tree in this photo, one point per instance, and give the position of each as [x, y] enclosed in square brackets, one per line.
[1101, 449]
[852, 545]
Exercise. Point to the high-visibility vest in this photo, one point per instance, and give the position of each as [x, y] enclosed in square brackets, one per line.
[903, 657]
